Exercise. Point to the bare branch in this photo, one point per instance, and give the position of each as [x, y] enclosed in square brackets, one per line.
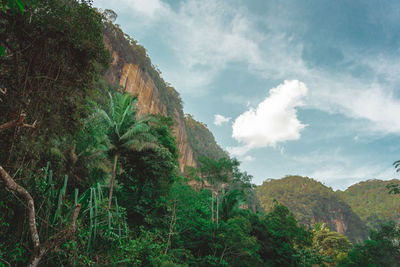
[17, 122]
[58, 239]
[11, 185]
[39, 250]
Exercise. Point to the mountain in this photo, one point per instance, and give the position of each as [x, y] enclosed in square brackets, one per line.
[312, 202]
[372, 203]
[131, 70]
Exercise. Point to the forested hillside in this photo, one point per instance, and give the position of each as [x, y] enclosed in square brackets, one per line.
[312, 202]
[371, 201]
[92, 144]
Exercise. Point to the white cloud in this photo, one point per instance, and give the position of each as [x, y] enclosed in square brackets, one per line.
[377, 106]
[248, 158]
[220, 119]
[273, 121]
[206, 36]
[149, 8]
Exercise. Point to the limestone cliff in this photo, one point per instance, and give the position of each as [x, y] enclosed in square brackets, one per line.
[137, 82]
[131, 70]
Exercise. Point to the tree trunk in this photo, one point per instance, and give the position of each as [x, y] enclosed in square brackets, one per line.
[16, 188]
[212, 206]
[17, 122]
[56, 240]
[112, 181]
[217, 206]
[171, 228]
[39, 250]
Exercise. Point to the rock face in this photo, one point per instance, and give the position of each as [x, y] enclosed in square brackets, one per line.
[136, 82]
[128, 75]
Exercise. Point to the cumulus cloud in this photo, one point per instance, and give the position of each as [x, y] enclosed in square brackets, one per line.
[273, 121]
[220, 119]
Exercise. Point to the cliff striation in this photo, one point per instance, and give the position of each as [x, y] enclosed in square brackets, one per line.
[131, 70]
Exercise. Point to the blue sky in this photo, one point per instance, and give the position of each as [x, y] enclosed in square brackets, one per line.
[288, 87]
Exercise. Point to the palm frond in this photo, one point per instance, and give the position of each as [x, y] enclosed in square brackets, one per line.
[149, 145]
[133, 144]
[118, 108]
[135, 130]
[128, 109]
[103, 115]
[112, 106]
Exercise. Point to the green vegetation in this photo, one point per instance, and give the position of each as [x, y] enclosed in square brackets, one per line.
[202, 140]
[312, 202]
[124, 131]
[85, 182]
[371, 201]
[381, 249]
[330, 243]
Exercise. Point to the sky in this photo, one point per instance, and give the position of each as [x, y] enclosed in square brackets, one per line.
[288, 87]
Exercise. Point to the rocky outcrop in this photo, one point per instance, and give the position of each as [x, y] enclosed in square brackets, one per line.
[127, 74]
[135, 82]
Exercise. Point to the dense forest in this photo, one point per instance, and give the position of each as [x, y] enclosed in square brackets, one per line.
[371, 201]
[313, 202]
[90, 179]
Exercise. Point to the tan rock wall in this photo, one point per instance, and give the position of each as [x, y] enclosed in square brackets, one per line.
[136, 82]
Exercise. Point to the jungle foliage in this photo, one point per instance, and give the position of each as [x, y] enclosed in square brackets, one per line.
[371, 201]
[313, 202]
[78, 143]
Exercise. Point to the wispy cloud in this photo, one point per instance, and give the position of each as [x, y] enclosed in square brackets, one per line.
[273, 121]
[340, 177]
[339, 170]
[248, 158]
[206, 36]
[220, 119]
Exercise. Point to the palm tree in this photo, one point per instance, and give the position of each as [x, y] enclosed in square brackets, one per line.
[124, 131]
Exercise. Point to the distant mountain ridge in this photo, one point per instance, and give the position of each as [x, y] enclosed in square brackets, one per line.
[351, 212]
[372, 202]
